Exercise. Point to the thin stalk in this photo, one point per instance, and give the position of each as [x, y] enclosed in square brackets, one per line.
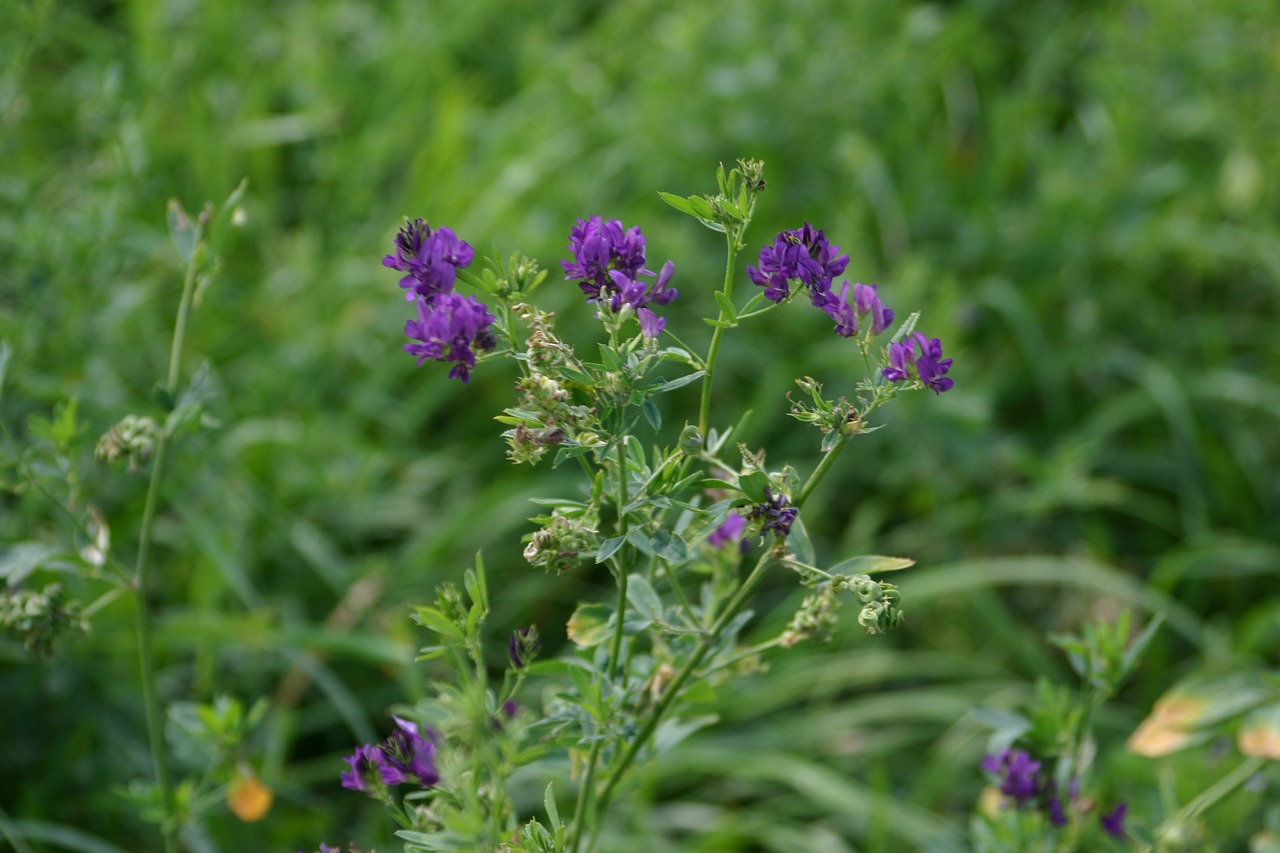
[615, 647]
[142, 582]
[734, 606]
[704, 408]
[584, 795]
[1214, 793]
[821, 471]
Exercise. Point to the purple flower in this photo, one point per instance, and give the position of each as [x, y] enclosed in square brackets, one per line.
[923, 356]
[1113, 821]
[364, 765]
[1018, 774]
[1057, 816]
[450, 328]
[408, 757]
[431, 259]
[608, 262]
[801, 254]
[651, 325]
[865, 301]
[728, 532]
[777, 515]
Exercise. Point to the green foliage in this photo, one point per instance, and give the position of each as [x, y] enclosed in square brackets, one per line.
[1087, 193]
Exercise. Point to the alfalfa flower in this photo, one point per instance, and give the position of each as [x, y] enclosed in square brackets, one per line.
[919, 357]
[451, 328]
[778, 515]
[801, 254]
[429, 258]
[608, 263]
[408, 757]
[363, 774]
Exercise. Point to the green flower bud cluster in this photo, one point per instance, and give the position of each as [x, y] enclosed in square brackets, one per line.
[40, 618]
[133, 439]
[815, 619]
[880, 611]
[558, 544]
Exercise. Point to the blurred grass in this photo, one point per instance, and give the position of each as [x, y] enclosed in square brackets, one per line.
[1082, 196]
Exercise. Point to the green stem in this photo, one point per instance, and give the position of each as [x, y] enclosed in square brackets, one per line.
[584, 794]
[669, 695]
[146, 654]
[615, 647]
[821, 471]
[1213, 793]
[735, 606]
[142, 581]
[704, 408]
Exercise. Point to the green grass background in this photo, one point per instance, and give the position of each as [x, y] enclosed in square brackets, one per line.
[1082, 197]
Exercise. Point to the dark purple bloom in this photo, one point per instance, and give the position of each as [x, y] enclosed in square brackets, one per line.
[920, 355]
[408, 757]
[1057, 816]
[608, 262]
[364, 765]
[777, 515]
[839, 310]
[1018, 774]
[1113, 821]
[728, 532]
[523, 646]
[451, 328]
[430, 259]
[801, 254]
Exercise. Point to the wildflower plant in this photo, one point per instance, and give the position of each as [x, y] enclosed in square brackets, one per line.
[688, 522]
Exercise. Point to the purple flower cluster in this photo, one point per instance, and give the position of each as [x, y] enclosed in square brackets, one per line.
[406, 757]
[801, 254]
[777, 515]
[805, 255]
[608, 262]
[922, 356]
[450, 327]
[1020, 778]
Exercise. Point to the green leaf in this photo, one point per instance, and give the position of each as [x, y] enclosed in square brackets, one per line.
[727, 309]
[870, 565]
[669, 546]
[549, 803]
[17, 563]
[678, 382]
[589, 624]
[651, 414]
[434, 620]
[609, 547]
[752, 484]
[641, 596]
[702, 208]
[799, 543]
[679, 203]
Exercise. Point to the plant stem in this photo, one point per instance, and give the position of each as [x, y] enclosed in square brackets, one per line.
[1213, 793]
[735, 606]
[732, 609]
[584, 795]
[821, 471]
[704, 408]
[142, 581]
